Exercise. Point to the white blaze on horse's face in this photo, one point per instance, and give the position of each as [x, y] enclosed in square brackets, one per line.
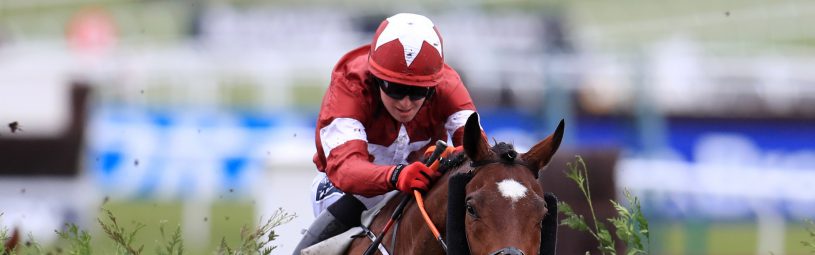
[511, 189]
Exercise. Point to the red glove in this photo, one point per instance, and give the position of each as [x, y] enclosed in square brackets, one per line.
[406, 178]
[448, 151]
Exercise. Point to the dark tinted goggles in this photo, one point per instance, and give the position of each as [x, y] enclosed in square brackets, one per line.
[398, 91]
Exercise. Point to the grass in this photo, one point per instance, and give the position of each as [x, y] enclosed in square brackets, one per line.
[727, 238]
[79, 240]
[146, 227]
[809, 243]
[161, 234]
[635, 23]
[147, 216]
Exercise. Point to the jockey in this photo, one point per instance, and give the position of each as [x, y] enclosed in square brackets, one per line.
[386, 105]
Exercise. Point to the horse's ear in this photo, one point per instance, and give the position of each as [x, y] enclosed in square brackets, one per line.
[474, 144]
[542, 153]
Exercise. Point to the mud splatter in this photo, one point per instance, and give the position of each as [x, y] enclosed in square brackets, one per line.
[14, 127]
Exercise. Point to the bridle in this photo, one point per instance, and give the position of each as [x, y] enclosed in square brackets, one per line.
[506, 158]
[456, 192]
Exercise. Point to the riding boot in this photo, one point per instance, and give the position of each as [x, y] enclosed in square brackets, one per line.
[336, 219]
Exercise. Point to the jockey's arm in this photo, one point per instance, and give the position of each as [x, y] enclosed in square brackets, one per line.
[350, 170]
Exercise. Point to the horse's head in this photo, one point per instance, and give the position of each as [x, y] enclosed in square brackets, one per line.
[504, 203]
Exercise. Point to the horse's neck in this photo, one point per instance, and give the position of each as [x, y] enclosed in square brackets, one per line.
[435, 202]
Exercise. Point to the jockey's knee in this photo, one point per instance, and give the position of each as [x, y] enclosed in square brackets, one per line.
[347, 210]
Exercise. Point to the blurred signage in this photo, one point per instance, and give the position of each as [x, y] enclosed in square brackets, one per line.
[188, 154]
[713, 169]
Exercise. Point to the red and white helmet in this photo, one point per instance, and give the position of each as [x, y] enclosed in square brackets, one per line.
[407, 49]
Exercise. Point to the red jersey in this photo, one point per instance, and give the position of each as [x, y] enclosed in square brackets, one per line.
[358, 141]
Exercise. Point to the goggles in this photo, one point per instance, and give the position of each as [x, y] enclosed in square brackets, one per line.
[398, 91]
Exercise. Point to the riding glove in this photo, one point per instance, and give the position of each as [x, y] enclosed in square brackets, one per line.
[417, 176]
[447, 152]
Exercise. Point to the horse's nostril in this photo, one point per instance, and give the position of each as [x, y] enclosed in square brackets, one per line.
[508, 251]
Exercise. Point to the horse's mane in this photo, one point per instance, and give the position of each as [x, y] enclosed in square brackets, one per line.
[452, 162]
[506, 152]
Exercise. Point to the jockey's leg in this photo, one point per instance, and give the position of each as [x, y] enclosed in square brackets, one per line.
[323, 194]
[340, 216]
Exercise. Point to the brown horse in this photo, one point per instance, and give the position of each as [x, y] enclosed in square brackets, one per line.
[502, 202]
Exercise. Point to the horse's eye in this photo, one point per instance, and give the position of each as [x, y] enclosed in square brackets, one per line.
[471, 211]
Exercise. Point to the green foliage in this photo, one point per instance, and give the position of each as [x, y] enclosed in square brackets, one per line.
[28, 247]
[630, 225]
[174, 246]
[255, 241]
[573, 220]
[252, 240]
[810, 244]
[122, 238]
[224, 248]
[31, 244]
[80, 241]
[3, 236]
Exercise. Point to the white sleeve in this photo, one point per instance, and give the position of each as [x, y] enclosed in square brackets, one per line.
[341, 130]
[457, 120]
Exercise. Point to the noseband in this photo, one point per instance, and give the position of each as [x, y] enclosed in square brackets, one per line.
[508, 251]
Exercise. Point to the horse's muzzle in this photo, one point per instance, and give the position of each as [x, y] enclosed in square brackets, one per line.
[508, 251]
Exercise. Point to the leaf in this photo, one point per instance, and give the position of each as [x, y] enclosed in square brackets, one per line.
[635, 251]
[623, 232]
[622, 211]
[630, 225]
[576, 175]
[572, 220]
[575, 222]
[122, 238]
[604, 237]
[78, 240]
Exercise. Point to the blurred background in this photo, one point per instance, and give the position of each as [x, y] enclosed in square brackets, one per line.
[202, 113]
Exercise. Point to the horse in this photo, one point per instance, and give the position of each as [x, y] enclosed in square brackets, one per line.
[500, 207]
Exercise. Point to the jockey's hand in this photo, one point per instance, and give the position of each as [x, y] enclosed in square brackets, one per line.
[417, 176]
[447, 152]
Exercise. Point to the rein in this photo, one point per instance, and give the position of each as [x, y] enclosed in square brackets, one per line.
[428, 221]
[434, 162]
[431, 162]
[509, 158]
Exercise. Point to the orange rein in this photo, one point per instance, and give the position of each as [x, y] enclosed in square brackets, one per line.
[420, 202]
[427, 220]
